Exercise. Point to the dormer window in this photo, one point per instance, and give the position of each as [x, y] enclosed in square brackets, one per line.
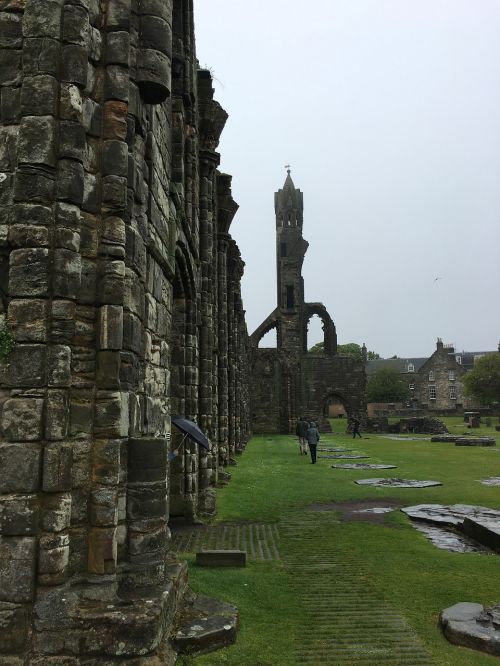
[451, 375]
[410, 367]
[431, 375]
[458, 359]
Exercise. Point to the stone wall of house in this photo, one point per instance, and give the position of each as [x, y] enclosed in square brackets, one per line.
[442, 372]
[120, 283]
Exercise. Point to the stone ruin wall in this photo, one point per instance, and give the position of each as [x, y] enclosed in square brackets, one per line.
[120, 283]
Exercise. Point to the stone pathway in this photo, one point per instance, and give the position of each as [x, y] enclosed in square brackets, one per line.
[346, 622]
[260, 540]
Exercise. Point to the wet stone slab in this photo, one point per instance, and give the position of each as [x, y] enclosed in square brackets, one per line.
[333, 450]
[452, 515]
[491, 481]
[363, 466]
[397, 483]
[376, 509]
[446, 539]
[402, 438]
[345, 457]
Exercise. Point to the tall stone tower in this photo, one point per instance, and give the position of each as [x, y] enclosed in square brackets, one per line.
[287, 381]
[290, 251]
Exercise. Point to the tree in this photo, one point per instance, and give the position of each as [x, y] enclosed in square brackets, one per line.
[386, 385]
[483, 381]
[349, 349]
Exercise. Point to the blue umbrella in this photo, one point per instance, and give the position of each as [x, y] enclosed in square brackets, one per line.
[191, 430]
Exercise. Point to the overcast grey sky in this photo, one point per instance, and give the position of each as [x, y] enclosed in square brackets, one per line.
[389, 113]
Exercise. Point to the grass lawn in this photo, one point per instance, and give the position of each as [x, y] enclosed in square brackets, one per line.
[416, 578]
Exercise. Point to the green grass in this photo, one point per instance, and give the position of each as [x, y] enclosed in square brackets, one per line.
[418, 579]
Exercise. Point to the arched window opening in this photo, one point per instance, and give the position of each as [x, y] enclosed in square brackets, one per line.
[315, 335]
[269, 340]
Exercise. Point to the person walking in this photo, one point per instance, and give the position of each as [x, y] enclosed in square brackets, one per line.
[355, 428]
[301, 432]
[312, 437]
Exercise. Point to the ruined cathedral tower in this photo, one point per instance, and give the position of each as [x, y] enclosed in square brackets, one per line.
[287, 382]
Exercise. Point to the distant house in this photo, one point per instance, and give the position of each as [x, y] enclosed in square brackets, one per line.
[434, 383]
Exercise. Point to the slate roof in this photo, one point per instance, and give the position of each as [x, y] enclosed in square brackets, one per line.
[398, 364]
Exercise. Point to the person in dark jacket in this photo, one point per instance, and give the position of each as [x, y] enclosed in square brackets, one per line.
[312, 437]
[301, 432]
[355, 428]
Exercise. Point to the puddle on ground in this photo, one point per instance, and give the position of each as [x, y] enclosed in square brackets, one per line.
[376, 509]
[401, 438]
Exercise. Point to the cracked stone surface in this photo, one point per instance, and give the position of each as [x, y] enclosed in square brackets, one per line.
[452, 515]
[397, 483]
[363, 466]
[473, 626]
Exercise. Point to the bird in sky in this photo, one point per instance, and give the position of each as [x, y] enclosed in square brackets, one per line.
[437, 278]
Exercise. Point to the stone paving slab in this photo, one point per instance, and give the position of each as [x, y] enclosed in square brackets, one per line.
[364, 466]
[397, 483]
[259, 540]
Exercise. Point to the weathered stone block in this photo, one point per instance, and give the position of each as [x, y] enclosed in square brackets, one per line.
[22, 419]
[27, 320]
[19, 515]
[75, 65]
[108, 370]
[10, 31]
[10, 105]
[57, 462]
[63, 321]
[111, 285]
[59, 365]
[70, 181]
[26, 366]
[102, 550]
[13, 629]
[104, 507]
[71, 103]
[147, 502]
[10, 67]
[106, 461]
[28, 274]
[56, 512]
[111, 414]
[24, 235]
[110, 327]
[117, 83]
[117, 48]
[147, 546]
[76, 25]
[72, 142]
[8, 148]
[42, 19]
[41, 56]
[114, 192]
[20, 465]
[53, 558]
[34, 185]
[37, 140]
[147, 459]
[17, 568]
[119, 15]
[56, 415]
[39, 95]
[221, 558]
[115, 120]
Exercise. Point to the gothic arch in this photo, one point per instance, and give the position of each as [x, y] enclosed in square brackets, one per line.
[330, 334]
[267, 325]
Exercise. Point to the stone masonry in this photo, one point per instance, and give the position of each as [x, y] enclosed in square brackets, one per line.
[287, 381]
[120, 284]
